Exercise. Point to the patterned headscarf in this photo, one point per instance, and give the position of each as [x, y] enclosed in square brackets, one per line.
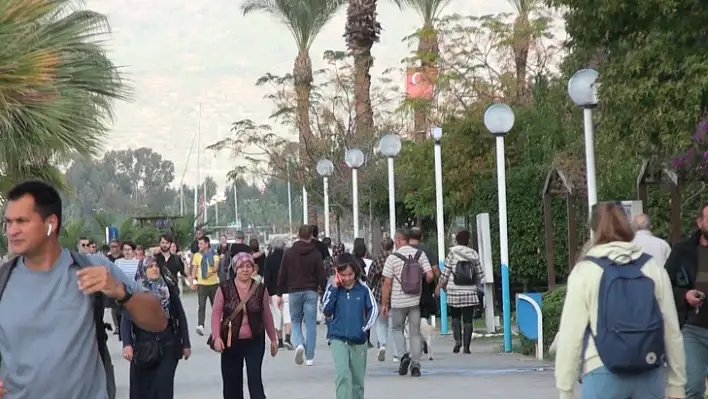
[158, 287]
[337, 250]
[241, 258]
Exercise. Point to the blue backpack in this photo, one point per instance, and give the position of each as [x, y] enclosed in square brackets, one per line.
[630, 325]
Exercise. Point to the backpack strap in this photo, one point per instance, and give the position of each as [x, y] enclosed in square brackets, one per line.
[5, 270]
[401, 257]
[418, 254]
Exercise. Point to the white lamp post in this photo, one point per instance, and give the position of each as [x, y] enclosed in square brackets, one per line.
[582, 88]
[325, 167]
[354, 158]
[215, 200]
[290, 205]
[499, 119]
[304, 205]
[440, 219]
[390, 146]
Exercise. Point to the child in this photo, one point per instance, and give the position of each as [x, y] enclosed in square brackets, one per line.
[351, 310]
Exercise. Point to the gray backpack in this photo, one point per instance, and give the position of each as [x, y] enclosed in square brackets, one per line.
[98, 308]
[411, 279]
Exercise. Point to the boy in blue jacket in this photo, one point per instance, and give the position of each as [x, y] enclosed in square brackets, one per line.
[351, 309]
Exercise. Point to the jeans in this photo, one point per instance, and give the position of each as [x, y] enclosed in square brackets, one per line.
[303, 307]
[205, 292]
[249, 351]
[603, 384]
[350, 369]
[695, 342]
[398, 321]
[383, 329]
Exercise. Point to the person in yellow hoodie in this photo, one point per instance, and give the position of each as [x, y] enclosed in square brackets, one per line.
[576, 352]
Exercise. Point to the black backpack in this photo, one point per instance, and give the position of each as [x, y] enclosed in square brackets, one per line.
[99, 301]
[465, 273]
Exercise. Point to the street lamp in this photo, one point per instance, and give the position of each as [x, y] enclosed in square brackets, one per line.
[325, 167]
[390, 146]
[582, 88]
[440, 219]
[354, 158]
[499, 119]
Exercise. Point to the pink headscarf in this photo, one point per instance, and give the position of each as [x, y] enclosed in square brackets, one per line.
[241, 258]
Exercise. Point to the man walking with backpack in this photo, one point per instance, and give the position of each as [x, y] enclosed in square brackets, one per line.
[51, 305]
[403, 279]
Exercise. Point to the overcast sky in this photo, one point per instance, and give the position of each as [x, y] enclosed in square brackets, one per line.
[180, 53]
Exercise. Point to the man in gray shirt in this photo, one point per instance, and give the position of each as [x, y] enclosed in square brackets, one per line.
[47, 330]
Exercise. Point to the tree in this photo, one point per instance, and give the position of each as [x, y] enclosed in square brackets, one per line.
[57, 88]
[361, 32]
[428, 53]
[305, 20]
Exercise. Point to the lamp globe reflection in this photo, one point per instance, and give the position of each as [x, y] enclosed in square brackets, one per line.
[499, 119]
[582, 87]
[325, 167]
[354, 158]
[437, 133]
[390, 145]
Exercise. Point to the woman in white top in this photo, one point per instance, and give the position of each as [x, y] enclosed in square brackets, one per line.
[576, 352]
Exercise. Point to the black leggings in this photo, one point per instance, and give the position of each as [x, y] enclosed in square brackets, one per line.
[251, 352]
[156, 382]
[466, 313]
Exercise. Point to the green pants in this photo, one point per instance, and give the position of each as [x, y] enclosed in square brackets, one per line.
[350, 368]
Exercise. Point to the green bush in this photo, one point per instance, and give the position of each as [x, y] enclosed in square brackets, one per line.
[552, 307]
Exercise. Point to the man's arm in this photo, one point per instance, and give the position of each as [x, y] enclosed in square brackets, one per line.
[320, 274]
[427, 269]
[387, 274]
[144, 307]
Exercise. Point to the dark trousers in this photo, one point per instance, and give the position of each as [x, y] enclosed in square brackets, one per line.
[156, 382]
[204, 292]
[117, 315]
[251, 352]
[466, 314]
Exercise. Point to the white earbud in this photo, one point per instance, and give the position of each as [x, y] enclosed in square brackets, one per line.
[49, 230]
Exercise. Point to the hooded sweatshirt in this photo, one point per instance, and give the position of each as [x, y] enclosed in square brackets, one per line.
[580, 309]
[302, 269]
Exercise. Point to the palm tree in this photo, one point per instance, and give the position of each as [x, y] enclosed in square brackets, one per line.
[428, 52]
[361, 32]
[305, 19]
[525, 31]
[57, 87]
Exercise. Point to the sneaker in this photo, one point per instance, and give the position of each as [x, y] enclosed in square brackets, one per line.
[369, 345]
[281, 345]
[382, 354]
[299, 354]
[405, 364]
[200, 330]
[395, 359]
[310, 362]
[415, 371]
[288, 345]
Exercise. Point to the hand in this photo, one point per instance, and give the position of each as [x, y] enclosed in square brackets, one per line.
[186, 353]
[273, 348]
[93, 279]
[695, 298]
[219, 345]
[437, 291]
[384, 310]
[193, 285]
[128, 353]
[3, 391]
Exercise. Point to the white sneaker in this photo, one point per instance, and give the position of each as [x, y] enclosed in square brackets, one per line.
[200, 330]
[395, 359]
[310, 362]
[299, 354]
[382, 354]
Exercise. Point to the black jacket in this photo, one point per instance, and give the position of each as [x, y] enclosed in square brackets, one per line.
[321, 248]
[272, 269]
[681, 268]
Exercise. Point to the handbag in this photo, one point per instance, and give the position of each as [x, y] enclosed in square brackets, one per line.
[227, 322]
[147, 353]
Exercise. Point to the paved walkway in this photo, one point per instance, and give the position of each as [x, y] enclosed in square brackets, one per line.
[483, 374]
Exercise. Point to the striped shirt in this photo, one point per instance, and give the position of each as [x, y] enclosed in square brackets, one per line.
[393, 268]
[128, 266]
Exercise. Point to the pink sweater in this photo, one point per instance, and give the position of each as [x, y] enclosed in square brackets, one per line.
[245, 331]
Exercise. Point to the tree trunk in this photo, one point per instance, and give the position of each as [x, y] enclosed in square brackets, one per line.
[428, 52]
[362, 93]
[302, 74]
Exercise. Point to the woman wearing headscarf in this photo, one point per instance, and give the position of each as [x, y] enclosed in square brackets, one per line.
[153, 357]
[240, 319]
